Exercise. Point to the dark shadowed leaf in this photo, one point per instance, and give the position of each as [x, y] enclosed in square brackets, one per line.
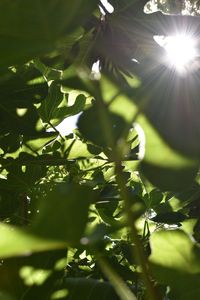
[31, 275]
[64, 213]
[162, 165]
[32, 28]
[6, 296]
[155, 197]
[20, 90]
[167, 178]
[94, 128]
[169, 218]
[172, 106]
[89, 289]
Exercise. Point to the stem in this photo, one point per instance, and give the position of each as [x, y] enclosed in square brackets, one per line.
[34, 151]
[56, 130]
[94, 168]
[24, 209]
[119, 285]
[139, 252]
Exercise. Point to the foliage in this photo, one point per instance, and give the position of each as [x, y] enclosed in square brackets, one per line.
[110, 211]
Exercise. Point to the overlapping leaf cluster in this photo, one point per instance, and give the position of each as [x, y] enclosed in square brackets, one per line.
[110, 211]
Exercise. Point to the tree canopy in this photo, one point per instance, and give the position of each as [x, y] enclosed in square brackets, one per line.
[110, 210]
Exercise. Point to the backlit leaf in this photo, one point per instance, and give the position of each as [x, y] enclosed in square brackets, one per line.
[16, 242]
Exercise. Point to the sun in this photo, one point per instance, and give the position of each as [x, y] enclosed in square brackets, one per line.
[180, 51]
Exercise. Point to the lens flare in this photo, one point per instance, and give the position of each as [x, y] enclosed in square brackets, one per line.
[180, 50]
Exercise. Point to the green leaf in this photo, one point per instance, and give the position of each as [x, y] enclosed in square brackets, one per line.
[49, 106]
[19, 83]
[15, 242]
[73, 148]
[186, 254]
[5, 296]
[21, 88]
[64, 213]
[89, 289]
[169, 218]
[55, 108]
[32, 28]
[170, 101]
[93, 127]
[175, 177]
[74, 109]
[48, 73]
[21, 178]
[10, 143]
[37, 143]
[8, 202]
[32, 275]
[162, 165]
[155, 197]
[175, 260]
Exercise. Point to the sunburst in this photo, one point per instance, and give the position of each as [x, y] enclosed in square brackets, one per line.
[181, 51]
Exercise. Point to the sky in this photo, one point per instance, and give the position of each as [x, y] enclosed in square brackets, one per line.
[68, 125]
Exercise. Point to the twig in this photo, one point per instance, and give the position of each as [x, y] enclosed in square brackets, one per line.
[56, 130]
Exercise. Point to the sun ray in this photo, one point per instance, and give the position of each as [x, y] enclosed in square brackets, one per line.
[181, 51]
